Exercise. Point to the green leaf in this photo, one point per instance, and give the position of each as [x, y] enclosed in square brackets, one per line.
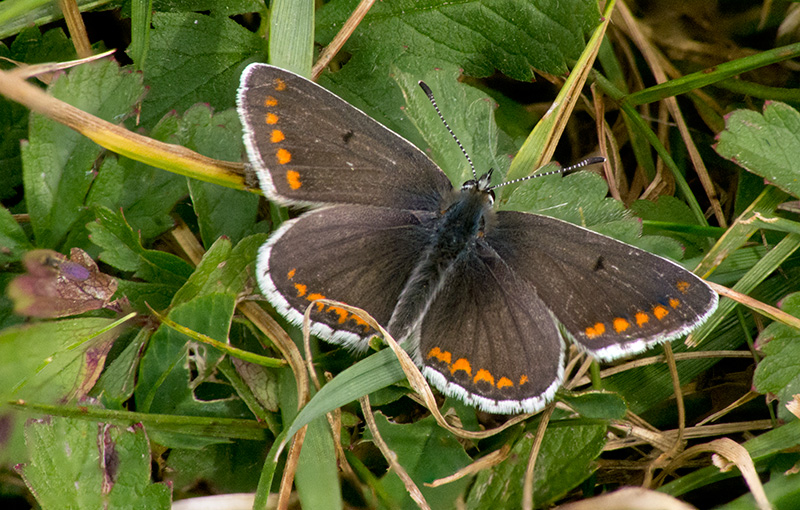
[779, 370]
[123, 250]
[565, 459]
[368, 375]
[13, 240]
[767, 145]
[145, 194]
[469, 112]
[782, 490]
[427, 452]
[762, 449]
[82, 464]
[58, 161]
[34, 47]
[118, 381]
[597, 405]
[176, 375]
[220, 211]
[480, 36]
[223, 270]
[227, 8]
[228, 468]
[317, 475]
[52, 361]
[195, 58]
[475, 36]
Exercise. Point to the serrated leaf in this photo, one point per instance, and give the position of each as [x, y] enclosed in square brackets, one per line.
[469, 112]
[427, 452]
[194, 58]
[779, 371]
[82, 464]
[478, 36]
[34, 47]
[566, 458]
[145, 194]
[123, 250]
[766, 144]
[57, 161]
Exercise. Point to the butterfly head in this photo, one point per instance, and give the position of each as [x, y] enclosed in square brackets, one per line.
[481, 185]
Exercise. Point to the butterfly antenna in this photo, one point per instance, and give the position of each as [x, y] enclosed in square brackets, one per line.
[563, 170]
[429, 93]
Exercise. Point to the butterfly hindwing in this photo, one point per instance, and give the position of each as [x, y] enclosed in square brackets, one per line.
[360, 255]
[481, 301]
[614, 299]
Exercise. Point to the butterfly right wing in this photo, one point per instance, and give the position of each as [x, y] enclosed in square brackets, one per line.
[356, 254]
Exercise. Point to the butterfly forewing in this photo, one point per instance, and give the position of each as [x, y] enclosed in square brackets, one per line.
[308, 146]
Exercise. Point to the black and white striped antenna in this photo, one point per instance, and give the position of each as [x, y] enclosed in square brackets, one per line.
[561, 170]
[429, 93]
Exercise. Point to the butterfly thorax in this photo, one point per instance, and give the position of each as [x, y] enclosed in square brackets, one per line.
[456, 231]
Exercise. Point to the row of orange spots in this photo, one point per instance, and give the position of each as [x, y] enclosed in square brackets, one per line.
[481, 375]
[621, 324]
[344, 315]
[282, 155]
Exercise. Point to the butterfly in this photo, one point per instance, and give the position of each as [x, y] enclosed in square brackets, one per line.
[478, 296]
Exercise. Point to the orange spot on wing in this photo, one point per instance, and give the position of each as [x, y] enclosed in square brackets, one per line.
[596, 330]
[683, 286]
[271, 119]
[484, 375]
[293, 178]
[523, 380]
[621, 324]
[280, 85]
[361, 322]
[443, 356]
[314, 296]
[301, 289]
[341, 312]
[660, 312]
[674, 303]
[276, 136]
[461, 364]
[283, 156]
[641, 319]
[505, 382]
[291, 273]
[270, 101]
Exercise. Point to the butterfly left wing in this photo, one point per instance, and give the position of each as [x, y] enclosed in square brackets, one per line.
[356, 254]
[488, 339]
[310, 147]
[614, 299]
